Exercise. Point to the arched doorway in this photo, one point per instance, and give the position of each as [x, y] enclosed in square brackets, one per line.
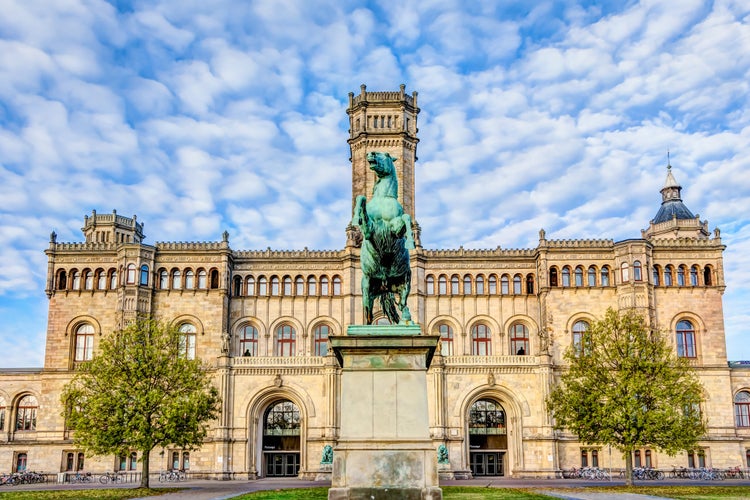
[488, 438]
[281, 439]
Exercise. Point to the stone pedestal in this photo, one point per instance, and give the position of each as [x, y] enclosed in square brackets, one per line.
[384, 449]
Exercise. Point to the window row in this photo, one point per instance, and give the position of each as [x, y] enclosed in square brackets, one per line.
[286, 286]
[567, 276]
[24, 413]
[479, 285]
[685, 340]
[682, 275]
[107, 279]
[481, 339]
[284, 342]
[183, 279]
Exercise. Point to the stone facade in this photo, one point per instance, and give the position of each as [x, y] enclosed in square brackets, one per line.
[261, 319]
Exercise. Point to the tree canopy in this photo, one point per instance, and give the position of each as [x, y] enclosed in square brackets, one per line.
[140, 392]
[626, 387]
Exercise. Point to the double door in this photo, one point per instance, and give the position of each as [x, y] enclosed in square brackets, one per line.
[282, 464]
[487, 463]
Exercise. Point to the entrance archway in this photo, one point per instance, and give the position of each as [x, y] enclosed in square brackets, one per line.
[281, 439]
[488, 438]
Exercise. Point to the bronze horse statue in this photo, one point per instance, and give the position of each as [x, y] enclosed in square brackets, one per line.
[387, 238]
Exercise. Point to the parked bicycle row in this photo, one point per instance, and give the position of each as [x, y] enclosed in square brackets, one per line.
[649, 473]
[26, 477]
[172, 475]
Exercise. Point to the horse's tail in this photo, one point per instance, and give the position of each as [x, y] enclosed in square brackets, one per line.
[388, 302]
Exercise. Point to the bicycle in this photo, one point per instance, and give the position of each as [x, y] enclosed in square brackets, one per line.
[111, 477]
[172, 475]
[81, 478]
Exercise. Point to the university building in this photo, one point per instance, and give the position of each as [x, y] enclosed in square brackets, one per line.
[261, 320]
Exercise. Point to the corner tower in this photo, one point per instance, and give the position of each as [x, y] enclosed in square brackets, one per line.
[387, 122]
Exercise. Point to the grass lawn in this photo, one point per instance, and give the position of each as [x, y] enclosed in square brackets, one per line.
[99, 494]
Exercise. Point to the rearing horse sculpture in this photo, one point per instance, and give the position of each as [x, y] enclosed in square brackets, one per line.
[387, 238]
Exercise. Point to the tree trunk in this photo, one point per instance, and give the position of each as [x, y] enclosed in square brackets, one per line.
[144, 469]
[629, 468]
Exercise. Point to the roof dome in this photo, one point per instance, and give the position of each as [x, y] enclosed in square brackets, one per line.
[672, 206]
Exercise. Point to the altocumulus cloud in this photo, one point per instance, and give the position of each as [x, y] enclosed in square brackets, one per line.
[202, 116]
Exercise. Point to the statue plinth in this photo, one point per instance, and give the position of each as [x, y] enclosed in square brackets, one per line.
[384, 449]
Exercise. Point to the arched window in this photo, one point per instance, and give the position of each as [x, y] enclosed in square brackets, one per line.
[337, 285]
[707, 276]
[26, 414]
[320, 337]
[566, 276]
[579, 330]
[249, 341]
[324, 286]
[481, 340]
[605, 276]
[299, 286]
[189, 279]
[282, 419]
[237, 286]
[467, 284]
[455, 289]
[694, 276]
[62, 279]
[187, 341]
[579, 276]
[519, 339]
[176, 279]
[21, 459]
[492, 284]
[742, 409]
[250, 286]
[430, 281]
[591, 276]
[84, 337]
[442, 285]
[214, 277]
[637, 275]
[656, 273]
[286, 341]
[130, 277]
[3, 407]
[163, 279]
[485, 418]
[517, 284]
[685, 339]
[275, 290]
[681, 275]
[112, 279]
[446, 339]
[668, 276]
[287, 286]
[312, 286]
[202, 279]
[625, 272]
[553, 276]
[88, 280]
[262, 286]
[133, 461]
[504, 284]
[76, 279]
[480, 285]
[144, 275]
[530, 284]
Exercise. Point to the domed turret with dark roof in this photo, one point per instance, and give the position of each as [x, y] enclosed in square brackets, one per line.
[674, 219]
[672, 206]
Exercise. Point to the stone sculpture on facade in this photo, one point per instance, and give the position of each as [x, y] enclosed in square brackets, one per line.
[387, 239]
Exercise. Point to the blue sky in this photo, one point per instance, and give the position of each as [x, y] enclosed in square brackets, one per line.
[205, 116]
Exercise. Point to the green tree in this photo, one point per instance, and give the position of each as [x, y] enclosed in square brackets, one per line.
[625, 387]
[138, 392]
